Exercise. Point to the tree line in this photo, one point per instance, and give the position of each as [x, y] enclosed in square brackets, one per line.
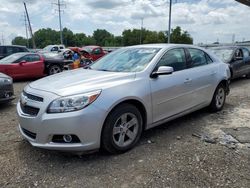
[102, 37]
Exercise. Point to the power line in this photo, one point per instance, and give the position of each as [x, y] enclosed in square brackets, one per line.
[60, 7]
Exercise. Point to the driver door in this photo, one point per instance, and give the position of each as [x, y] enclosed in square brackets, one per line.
[171, 94]
[32, 66]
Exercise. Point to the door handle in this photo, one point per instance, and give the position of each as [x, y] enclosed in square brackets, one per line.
[213, 73]
[187, 81]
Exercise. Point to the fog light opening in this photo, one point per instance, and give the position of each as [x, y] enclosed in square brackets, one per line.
[67, 138]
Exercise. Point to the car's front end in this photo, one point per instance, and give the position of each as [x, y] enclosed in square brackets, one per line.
[68, 113]
[6, 88]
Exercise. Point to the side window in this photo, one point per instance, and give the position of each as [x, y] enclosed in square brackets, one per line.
[54, 49]
[174, 58]
[22, 50]
[198, 57]
[97, 51]
[9, 50]
[1, 50]
[15, 49]
[245, 53]
[209, 60]
[31, 58]
[238, 53]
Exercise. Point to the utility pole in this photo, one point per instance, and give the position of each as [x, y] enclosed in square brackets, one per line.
[30, 28]
[59, 9]
[26, 29]
[141, 30]
[169, 20]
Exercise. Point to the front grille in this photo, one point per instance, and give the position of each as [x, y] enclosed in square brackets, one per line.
[29, 134]
[29, 110]
[33, 97]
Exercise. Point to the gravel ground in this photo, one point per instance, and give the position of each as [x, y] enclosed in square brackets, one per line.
[167, 156]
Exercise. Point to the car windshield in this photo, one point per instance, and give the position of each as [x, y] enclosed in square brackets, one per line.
[224, 54]
[87, 49]
[10, 59]
[47, 47]
[126, 60]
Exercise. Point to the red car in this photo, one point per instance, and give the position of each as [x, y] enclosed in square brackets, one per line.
[94, 52]
[31, 65]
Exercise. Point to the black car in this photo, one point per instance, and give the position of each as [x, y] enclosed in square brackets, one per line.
[238, 59]
[6, 50]
[6, 88]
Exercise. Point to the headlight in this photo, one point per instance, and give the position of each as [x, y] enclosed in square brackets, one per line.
[7, 80]
[73, 103]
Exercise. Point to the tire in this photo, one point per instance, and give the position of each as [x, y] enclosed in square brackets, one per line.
[219, 98]
[54, 69]
[122, 129]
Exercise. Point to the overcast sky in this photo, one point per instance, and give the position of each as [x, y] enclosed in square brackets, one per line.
[206, 20]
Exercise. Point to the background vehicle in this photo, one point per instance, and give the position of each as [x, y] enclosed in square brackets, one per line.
[93, 52]
[6, 50]
[132, 89]
[238, 59]
[6, 88]
[53, 48]
[32, 65]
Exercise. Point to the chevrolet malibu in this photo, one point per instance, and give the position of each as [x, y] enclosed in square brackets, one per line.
[131, 89]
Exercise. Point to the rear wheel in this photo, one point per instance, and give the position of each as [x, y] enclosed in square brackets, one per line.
[54, 69]
[122, 129]
[219, 98]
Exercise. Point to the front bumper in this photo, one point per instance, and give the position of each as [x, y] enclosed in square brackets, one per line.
[6, 93]
[39, 130]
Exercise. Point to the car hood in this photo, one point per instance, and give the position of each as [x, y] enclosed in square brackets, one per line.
[3, 75]
[80, 80]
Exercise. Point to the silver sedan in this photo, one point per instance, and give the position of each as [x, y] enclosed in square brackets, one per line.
[129, 90]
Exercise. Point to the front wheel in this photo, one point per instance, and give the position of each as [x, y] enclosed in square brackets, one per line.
[122, 129]
[54, 69]
[219, 98]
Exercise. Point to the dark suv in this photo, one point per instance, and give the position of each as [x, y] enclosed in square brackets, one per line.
[6, 50]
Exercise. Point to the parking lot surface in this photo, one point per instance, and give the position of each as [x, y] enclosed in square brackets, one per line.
[194, 151]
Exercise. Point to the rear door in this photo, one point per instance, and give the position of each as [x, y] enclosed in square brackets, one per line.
[171, 94]
[246, 57]
[238, 63]
[203, 75]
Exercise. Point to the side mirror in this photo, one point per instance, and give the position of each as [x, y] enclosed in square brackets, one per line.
[162, 70]
[22, 62]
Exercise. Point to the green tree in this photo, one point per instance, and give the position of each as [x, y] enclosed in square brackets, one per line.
[19, 41]
[102, 37]
[180, 37]
[131, 37]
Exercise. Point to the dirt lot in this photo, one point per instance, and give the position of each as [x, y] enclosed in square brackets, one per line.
[171, 155]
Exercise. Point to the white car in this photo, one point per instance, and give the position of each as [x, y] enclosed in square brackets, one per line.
[53, 48]
[125, 92]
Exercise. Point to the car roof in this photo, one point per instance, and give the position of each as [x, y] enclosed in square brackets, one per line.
[13, 46]
[24, 53]
[91, 46]
[166, 46]
[225, 47]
